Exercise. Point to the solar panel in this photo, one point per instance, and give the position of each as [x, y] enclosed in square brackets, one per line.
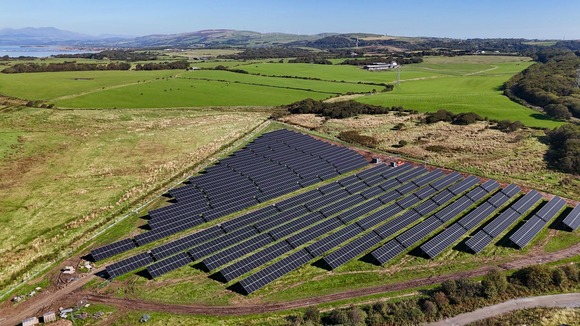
[443, 240]
[249, 218]
[428, 178]
[333, 240]
[395, 225]
[526, 202]
[126, 265]
[464, 185]
[351, 250]
[295, 225]
[326, 199]
[454, 209]
[426, 207]
[274, 271]
[425, 193]
[408, 201]
[419, 231]
[476, 216]
[186, 242]
[326, 189]
[443, 197]
[387, 252]
[501, 222]
[255, 260]
[446, 181]
[511, 190]
[490, 185]
[358, 211]
[352, 189]
[167, 265]
[341, 205]
[524, 235]
[112, 249]
[572, 220]
[479, 241]
[243, 248]
[222, 242]
[548, 211]
[280, 218]
[411, 174]
[313, 232]
[379, 216]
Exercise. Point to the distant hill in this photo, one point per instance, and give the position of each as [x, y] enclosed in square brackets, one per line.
[40, 36]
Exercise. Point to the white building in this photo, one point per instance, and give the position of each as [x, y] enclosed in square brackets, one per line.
[381, 66]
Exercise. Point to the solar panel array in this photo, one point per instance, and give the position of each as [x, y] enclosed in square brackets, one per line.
[524, 235]
[390, 209]
[457, 230]
[272, 165]
[502, 222]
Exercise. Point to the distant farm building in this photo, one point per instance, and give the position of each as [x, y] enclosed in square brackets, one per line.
[381, 66]
[30, 321]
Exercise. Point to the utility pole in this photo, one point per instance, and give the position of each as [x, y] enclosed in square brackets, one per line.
[398, 75]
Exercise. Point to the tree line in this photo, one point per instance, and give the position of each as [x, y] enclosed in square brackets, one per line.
[338, 110]
[180, 64]
[550, 84]
[450, 298]
[123, 55]
[64, 66]
[564, 151]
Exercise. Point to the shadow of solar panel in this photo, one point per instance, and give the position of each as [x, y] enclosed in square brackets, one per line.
[572, 220]
[186, 242]
[274, 271]
[223, 257]
[112, 249]
[130, 264]
[351, 250]
[332, 241]
[524, 235]
[253, 261]
[387, 252]
[170, 264]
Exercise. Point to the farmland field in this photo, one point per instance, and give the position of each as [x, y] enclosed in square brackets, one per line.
[63, 172]
[458, 84]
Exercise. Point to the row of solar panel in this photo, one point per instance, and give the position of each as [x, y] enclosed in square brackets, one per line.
[187, 242]
[182, 216]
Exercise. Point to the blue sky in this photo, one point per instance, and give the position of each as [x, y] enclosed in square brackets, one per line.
[555, 19]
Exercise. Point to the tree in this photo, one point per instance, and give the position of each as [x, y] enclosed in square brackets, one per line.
[536, 278]
[312, 314]
[356, 316]
[441, 299]
[429, 308]
[494, 282]
[558, 111]
[338, 316]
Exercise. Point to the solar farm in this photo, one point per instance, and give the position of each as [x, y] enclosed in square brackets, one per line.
[344, 208]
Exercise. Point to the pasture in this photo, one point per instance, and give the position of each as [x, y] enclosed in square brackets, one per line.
[458, 84]
[65, 173]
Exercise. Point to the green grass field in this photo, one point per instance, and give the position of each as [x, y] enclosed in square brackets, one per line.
[66, 171]
[458, 84]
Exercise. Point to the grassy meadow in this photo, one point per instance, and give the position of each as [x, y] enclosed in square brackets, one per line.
[65, 172]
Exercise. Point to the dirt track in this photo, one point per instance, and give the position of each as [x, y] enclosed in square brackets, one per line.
[73, 293]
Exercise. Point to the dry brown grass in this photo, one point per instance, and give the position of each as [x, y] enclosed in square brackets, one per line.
[72, 169]
[509, 157]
